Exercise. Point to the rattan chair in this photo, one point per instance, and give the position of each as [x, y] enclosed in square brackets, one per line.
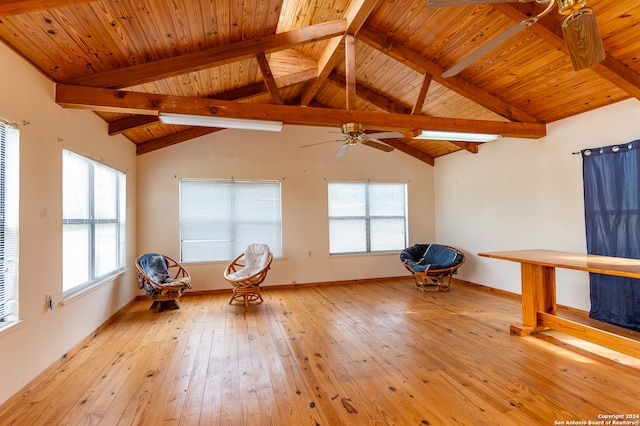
[163, 280]
[247, 271]
[432, 265]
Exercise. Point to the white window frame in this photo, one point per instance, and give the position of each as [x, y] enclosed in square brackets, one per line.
[91, 262]
[9, 217]
[218, 224]
[364, 220]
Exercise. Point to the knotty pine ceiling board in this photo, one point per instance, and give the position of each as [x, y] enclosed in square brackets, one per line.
[434, 148]
[442, 102]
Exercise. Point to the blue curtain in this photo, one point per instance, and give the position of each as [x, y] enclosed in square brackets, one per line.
[612, 215]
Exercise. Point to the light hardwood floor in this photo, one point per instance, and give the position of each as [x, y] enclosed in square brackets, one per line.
[379, 352]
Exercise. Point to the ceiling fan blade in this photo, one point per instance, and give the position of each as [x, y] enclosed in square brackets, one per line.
[319, 143]
[377, 145]
[488, 46]
[384, 135]
[343, 150]
[582, 36]
[435, 4]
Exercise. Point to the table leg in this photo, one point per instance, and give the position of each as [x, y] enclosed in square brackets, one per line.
[538, 294]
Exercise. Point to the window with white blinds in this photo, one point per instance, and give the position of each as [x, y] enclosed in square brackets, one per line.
[220, 218]
[9, 196]
[93, 206]
[367, 217]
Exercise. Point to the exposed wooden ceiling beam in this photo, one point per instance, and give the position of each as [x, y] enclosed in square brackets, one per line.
[422, 96]
[350, 67]
[129, 123]
[267, 75]
[373, 97]
[548, 29]
[356, 14]
[175, 138]
[171, 67]
[419, 63]
[109, 100]
[401, 145]
[17, 7]
[472, 147]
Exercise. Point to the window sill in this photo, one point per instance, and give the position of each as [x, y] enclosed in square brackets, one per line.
[98, 284]
[11, 327]
[375, 253]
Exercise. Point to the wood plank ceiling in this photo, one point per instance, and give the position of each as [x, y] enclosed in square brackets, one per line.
[320, 62]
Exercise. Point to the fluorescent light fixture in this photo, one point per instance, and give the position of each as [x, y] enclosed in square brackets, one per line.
[457, 136]
[223, 122]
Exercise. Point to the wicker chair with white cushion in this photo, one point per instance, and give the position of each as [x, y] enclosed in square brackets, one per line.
[247, 271]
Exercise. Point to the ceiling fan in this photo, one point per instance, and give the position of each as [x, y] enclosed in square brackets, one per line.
[579, 28]
[354, 134]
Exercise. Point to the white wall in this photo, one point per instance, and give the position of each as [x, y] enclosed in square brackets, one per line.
[304, 173]
[523, 194]
[42, 336]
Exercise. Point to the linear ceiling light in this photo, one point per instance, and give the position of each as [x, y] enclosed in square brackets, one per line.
[223, 122]
[457, 136]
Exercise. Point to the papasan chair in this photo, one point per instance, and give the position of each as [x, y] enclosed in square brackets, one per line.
[432, 265]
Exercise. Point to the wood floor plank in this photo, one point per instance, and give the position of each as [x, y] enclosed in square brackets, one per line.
[216, 366]
[194, 399]
[378, 352]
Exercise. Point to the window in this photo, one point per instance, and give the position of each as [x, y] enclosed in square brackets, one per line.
[9, 196]
[219, 219]
[92, 222]
[367, 217]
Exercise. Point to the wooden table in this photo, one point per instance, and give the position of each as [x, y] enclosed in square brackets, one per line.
[538, 275]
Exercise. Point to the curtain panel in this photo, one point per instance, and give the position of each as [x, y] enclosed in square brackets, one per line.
[612, 217]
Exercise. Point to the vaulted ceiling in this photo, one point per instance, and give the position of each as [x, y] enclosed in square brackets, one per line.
[321, 62]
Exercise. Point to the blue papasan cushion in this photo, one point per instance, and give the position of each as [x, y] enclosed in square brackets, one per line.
[423, 257]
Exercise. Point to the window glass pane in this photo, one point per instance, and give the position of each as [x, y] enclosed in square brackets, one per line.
[202, 251]
[75, 267]
[106, 255]
[205, 210]
[347, 199]
[75, 184]
[105, 193]
[347, 236]
[386, 200]
[387, 234]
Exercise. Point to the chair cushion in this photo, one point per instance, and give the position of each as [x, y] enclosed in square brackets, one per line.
[423, 257]
[180, 282]
[256, 258]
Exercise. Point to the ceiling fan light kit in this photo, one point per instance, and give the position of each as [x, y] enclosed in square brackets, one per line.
[353, 129]
[221, 122]
[457, 136]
